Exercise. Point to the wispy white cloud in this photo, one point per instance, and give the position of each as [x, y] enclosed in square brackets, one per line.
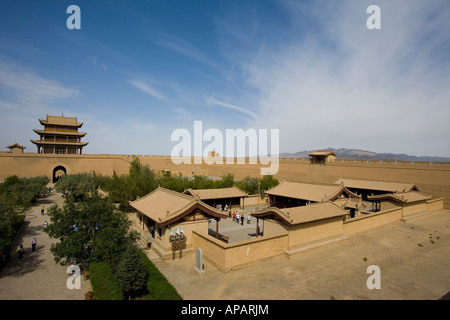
[146, 138]
[183, 47]
[21, 49]
[231, 106]
[26, 96]
[340, 84]
[146, 88]
[100, 65]
[29, 87]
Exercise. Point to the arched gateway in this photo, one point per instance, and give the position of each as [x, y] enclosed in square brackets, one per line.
[58, 172]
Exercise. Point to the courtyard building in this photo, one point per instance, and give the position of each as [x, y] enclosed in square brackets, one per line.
[294, 194]
[232, 198]
[172, 217]
[366, 188]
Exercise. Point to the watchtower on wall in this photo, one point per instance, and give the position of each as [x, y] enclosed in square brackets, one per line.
[322, 156]
[60, 136]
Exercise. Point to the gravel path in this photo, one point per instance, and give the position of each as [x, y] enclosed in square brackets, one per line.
[38, 277]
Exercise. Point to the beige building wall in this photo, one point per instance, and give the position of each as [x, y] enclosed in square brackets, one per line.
[232, 256]
[366, 222]
[413, 208]
[162, 243]
[272, 227]
[253, 200]
[435, 204]
[304, 233]
[388, 204]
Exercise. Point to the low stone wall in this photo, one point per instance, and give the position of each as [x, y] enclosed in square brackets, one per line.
[369, 221]
[435, 204]
[253, 200]
[232, 256]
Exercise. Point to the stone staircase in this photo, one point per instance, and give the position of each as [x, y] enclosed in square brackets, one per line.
[145, 238]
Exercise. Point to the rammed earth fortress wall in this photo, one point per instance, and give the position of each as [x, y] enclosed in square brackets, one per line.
[432, 178]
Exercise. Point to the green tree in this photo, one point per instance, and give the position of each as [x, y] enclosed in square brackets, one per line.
[17, 195]
[89, 229]
[77, 185]
[142, 179]
[175, 182]
[22, 193]
[10, 222]
[267, 182]
[202, 182]
[248, 184]
[131, 273]
[227, 181]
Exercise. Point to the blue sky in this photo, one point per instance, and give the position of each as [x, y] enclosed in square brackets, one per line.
[138, 70]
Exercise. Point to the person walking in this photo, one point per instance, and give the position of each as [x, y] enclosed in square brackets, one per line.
[33, 244]
[21, 253]
[237, 218]
[242, 220]
[248, 218]
[42, 210]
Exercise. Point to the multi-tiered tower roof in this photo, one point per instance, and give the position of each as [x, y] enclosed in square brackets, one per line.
[60, 136]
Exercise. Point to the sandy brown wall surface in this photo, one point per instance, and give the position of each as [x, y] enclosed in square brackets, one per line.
[431, 179]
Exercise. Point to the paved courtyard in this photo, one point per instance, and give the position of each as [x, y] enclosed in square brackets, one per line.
[235, 231]
[413, 257]
[38, 277]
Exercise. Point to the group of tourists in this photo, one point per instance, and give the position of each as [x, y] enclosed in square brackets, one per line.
[240, 218]
[21, 250]
[222, 207]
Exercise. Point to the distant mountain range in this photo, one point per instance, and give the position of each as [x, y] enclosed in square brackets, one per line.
[357, 154]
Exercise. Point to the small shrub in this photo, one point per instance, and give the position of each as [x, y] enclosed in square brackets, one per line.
[131, 273]
[104, 284]
[157, 285]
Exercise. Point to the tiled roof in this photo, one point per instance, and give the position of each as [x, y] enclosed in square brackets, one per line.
[166, 206]
[378, 185]
[308, 191]
[219, 193]
[303, 214]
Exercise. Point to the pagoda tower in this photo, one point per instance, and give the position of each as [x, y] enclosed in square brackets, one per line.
[60, 136]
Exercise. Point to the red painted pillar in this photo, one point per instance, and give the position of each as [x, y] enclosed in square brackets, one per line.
[217, 228]
[257, 227]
